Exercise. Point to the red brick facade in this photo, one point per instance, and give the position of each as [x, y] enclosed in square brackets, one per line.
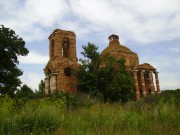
[142, 74]
[62, 54]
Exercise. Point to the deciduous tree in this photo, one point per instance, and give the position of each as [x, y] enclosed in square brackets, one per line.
[88, 71]
[106, 76]
[11, 46]
[25, 92]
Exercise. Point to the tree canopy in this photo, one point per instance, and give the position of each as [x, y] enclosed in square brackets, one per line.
[24, 92]
[104, 76]
[11, 46]
[88, 71]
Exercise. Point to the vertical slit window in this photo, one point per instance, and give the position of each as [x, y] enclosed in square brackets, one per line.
[52, 48]
[65, 47]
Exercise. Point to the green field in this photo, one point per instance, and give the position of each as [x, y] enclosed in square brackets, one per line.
[158, 115]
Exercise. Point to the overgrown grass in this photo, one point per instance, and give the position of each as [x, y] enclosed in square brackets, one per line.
[50, 116]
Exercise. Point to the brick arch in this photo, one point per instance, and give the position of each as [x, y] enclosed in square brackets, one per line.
[49, 69]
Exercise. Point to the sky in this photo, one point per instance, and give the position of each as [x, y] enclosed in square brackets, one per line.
[150, 28]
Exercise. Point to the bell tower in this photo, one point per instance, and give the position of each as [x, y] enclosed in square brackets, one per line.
[62, 59]
[62, 45]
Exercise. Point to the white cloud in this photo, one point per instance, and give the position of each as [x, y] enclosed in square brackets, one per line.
[77, 28]
[175, 48]
[153, 7]
[44, 12]
[33, 58]
[163, 63]
[31, 18]
[142, 21]
[32, 79]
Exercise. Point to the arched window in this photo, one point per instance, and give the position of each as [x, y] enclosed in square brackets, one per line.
[65, 47]
[52, 47]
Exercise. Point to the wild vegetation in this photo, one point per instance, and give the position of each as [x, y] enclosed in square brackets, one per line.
[105, 77]
[95, 109]
[66, 114]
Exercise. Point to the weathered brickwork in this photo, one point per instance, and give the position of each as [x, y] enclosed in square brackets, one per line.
[142, 74]
[117, 50]
[62, 54]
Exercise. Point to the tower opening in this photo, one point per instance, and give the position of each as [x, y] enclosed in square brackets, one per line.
[65, 47]
[52, 48]
[67, 72]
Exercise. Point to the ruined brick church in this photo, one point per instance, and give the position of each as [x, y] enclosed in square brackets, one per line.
[63, 58]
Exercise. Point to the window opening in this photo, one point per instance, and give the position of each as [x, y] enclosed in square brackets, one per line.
[52, 48]
[65, 47]
[141, 92]
[67, 72]
[149, 91]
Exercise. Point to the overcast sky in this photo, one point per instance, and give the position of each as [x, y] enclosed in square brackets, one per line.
[150, 28]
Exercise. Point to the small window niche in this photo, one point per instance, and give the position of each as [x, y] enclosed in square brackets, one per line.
[67, 72]
[65, 47]
[52, 47]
